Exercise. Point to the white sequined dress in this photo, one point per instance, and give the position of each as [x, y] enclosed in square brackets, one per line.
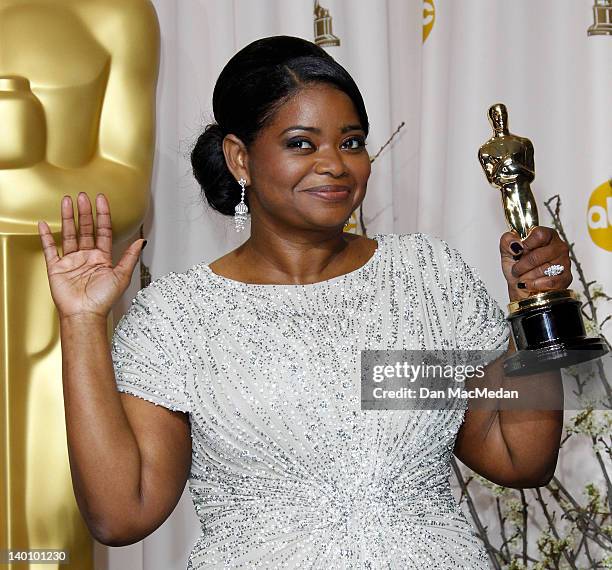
[287, 470]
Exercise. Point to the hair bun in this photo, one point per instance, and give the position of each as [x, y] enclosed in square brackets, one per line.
[218, 185]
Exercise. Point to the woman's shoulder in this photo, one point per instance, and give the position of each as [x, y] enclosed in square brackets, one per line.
[419, 243]
[428, 253]
[170, 290]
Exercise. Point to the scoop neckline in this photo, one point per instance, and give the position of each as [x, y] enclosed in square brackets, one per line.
[342, 277]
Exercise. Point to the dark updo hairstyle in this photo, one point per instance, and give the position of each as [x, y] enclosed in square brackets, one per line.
[252, 86]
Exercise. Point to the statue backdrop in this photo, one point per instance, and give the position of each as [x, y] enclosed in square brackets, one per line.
[77, 113]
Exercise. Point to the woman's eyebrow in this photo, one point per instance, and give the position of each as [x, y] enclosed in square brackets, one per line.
[344, 129]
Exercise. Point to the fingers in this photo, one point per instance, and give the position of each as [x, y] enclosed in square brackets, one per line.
[510, 245]
[541, 249]
[86, 225]
[546, 283]
[129, 259]
[71, 241]
[539, 236]
[558, 282]
[538, 259]
[48, 244]
[104, 230]
[537, 280]
[69, 235]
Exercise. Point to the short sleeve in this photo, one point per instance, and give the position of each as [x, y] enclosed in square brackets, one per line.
[147, 353]
[480, 323]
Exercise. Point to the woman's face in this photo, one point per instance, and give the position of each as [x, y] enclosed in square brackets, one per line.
[314, 139]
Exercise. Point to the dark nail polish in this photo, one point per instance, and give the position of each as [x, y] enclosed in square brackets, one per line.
[144, 244]
[521, 285]
[516, 257]
[516, 247]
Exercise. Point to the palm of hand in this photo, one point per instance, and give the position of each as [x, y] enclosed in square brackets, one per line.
[83, 281]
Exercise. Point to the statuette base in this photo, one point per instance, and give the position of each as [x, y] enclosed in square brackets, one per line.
[549, 334]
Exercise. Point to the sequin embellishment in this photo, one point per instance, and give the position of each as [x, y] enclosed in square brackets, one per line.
[287, 470]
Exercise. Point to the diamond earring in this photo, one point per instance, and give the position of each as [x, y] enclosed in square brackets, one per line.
[241, 209]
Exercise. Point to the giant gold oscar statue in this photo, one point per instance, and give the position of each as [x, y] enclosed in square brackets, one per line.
[77, 113]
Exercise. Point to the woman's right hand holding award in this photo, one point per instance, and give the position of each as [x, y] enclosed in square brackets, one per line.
[545, 317]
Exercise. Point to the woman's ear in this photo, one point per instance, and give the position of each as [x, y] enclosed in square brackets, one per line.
[236, 157]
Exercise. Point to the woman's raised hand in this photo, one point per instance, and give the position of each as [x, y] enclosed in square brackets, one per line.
[83, 281]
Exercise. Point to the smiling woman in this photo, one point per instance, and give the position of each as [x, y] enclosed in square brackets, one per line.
[323, 156]
[245, 373]
[293, 124]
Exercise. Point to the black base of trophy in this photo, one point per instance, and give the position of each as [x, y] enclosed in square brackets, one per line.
[525, 362]
[549, 334]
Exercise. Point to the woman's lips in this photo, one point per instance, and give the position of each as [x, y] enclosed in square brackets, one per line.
[330, 193]
[331, 196]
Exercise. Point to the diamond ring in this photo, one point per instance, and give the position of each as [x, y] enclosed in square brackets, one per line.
[554, 270]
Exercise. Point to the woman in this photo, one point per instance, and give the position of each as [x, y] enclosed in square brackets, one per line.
[243, 374]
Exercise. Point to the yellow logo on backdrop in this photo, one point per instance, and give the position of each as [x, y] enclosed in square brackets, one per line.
[429, 17]
[351, 226]
[599, 216]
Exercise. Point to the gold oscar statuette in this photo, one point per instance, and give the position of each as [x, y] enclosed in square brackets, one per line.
[547, 327]
[77, 113]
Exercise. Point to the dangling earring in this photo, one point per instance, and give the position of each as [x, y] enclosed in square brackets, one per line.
[241, 209]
